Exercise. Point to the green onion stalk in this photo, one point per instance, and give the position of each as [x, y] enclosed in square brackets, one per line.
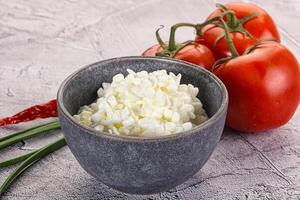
[28, 159]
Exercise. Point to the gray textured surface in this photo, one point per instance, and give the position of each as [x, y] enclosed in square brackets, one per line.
[141, 165]
[41, 42]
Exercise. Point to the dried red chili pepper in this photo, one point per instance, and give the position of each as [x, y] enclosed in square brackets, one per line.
[45, 110]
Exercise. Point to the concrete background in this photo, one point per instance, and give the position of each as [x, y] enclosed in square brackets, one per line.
[41, 42]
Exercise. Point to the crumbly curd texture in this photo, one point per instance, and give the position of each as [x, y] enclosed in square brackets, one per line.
[144, 104]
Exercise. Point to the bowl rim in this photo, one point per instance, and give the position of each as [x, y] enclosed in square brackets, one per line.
[192, 131]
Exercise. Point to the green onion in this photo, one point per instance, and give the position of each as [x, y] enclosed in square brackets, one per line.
[29, 158]
[26, 134]
[30, 161]
[16, 160]
[20, 132]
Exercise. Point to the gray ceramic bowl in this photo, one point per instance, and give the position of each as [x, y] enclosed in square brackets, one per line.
[141, 165]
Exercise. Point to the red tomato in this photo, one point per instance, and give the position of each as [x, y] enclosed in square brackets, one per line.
[194, 53]
[263, 87]
[261, 27]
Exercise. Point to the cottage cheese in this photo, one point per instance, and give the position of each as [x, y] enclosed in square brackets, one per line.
[144, 104]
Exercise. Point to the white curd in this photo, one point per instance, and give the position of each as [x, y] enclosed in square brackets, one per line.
[144, 104]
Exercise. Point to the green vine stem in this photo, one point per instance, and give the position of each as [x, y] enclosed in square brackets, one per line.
[233, 23]
[229, 41]
[172, 48]
[251, 48]
[226, 31]
[172, 42]
[158, 38]
[232, 20]
[211, 21]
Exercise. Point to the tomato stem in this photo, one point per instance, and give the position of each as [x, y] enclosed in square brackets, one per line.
[251, 48]
[229, 41]
[210, 21]
[219, 62]
[227, 31]
[172, 42]
[158, 38]
[232, 20]
[233, 23]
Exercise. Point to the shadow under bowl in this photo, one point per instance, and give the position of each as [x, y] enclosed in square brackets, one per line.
[141, 165]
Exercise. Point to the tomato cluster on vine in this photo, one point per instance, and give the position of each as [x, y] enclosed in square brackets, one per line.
[240, 43]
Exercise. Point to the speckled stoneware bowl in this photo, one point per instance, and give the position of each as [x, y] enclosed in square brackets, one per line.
[134, 164]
